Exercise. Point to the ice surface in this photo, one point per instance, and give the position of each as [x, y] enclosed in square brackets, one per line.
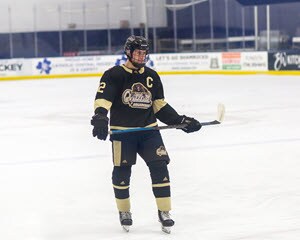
[234, 181]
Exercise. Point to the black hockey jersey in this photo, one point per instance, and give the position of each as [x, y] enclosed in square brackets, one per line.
[133, 97]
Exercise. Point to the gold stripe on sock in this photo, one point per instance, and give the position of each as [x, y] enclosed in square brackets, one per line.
[161, 185]
[123, 205]
[164, 203]
[120, 187]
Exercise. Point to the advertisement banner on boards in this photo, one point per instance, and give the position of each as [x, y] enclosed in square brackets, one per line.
[245, 61]
[173, 62]
[72, 65]
[254, 61]
[283, 61]
[186, 62]
[15, 67]
[231, 61]
[99, 64]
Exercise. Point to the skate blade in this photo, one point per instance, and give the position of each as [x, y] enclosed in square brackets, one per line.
[126, 228]
[166, 229]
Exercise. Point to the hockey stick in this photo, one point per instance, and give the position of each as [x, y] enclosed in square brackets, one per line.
[220, 117]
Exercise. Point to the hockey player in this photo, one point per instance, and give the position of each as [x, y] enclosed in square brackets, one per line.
[134, 96]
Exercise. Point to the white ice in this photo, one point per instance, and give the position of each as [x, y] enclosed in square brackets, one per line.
[234, 181]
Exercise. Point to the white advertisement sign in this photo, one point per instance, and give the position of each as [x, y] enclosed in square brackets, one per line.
[245, 61]
[15, 67]
[181, 62]
[72, 65]
[186, 62]
[254, 61]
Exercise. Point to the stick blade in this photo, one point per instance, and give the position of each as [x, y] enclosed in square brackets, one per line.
[221, 112]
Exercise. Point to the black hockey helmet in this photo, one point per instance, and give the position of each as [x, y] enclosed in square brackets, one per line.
[136, 42]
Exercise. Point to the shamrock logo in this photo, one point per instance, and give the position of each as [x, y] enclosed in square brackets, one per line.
[44, 66]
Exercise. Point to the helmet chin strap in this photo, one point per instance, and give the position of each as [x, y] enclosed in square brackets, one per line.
[138, 65]
[135, 64]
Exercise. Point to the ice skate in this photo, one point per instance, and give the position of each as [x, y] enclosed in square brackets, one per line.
[125, 220]
[166, 221]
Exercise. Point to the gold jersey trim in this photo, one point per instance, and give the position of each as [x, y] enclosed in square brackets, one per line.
[142, 70]
[123, 128]
[102, 103]
[158, 104]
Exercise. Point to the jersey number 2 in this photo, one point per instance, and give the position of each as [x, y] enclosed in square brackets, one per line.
[101, 87]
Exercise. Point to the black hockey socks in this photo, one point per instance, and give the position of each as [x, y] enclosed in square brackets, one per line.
[121, 182]
[161, 184]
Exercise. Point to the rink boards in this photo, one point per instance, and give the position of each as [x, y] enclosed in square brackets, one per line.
[172, 63]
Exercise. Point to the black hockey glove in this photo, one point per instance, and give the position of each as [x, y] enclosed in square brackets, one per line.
[100, 123]
[192, 125]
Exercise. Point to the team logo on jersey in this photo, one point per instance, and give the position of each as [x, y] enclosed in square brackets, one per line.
[161, 151]
[137, 97]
